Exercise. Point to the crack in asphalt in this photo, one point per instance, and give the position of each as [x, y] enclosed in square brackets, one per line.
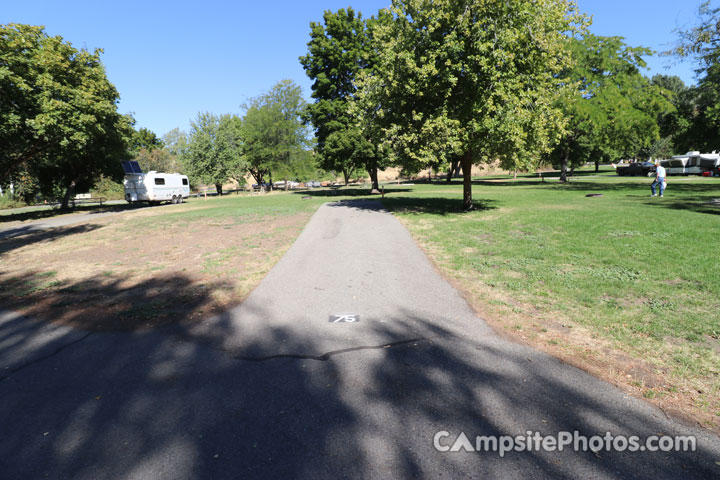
[9, 373]
[326, 356]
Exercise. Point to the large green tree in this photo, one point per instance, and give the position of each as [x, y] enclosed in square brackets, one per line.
[338, 50]
[613, 110]
[273, 133]
[144, 138]
[701, 43]
[676, 126]
[58, 113]
[473, 79]
[175, 141]
[214, 150]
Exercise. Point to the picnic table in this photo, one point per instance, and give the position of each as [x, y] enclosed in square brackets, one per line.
[87, 198]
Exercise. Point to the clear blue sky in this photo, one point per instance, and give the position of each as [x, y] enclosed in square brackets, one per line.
[172, 59]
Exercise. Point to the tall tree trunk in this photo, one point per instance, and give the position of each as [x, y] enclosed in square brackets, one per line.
[466, 164]
[68, 195]
[257, 175]
[564, 167]
[454, 165]
[346, 176]
[373, 171]
[218, 187]
[597, 166]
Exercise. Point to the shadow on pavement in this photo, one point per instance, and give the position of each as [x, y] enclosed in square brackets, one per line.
[168, 403]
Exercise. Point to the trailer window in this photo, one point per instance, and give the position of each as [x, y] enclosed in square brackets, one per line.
[159, 181]
[185, 181]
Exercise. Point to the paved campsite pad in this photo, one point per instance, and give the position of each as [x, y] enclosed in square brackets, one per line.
[273, 389]
[352, 258]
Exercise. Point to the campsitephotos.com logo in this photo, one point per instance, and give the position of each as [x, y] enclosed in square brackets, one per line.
[443, 441]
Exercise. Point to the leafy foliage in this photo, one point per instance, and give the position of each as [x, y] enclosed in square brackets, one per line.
[214, 150]
[613, 110]
[145, 139]
[702, 43]
[274, 137]
[175, 141]
[58, 112]
[471, 79]
[337, 52]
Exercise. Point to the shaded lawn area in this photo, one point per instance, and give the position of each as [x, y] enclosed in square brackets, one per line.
[625, 285]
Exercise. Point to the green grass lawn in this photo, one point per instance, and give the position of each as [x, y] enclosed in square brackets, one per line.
[641, 273]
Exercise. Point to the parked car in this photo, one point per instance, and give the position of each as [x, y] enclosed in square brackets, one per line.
[637, 169]
[264, 185]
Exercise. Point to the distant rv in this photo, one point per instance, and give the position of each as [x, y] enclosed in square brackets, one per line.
[693, 163]
[154, 187]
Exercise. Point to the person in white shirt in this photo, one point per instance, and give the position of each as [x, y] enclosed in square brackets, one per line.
[659, 180]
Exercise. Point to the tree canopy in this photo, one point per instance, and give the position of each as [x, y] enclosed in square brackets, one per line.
[338, 50]
[702, 44]
[471, 79]
[214, 150]
[612, 109]
[273, 133]
[59, 122]
[145, 138]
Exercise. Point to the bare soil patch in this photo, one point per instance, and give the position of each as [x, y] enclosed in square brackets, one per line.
[106, 275]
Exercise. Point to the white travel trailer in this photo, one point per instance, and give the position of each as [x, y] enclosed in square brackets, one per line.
[154, 187]
[692, 163]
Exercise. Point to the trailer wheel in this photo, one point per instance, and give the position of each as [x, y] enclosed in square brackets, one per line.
[180, 199]
[174, 200]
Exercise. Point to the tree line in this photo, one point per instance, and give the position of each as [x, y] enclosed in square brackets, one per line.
[61, 132]
[450, 84]
[445, 84]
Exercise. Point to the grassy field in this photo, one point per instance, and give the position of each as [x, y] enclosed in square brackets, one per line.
[624, 285]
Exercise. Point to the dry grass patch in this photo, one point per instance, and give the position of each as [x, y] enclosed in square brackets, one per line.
[111, 275]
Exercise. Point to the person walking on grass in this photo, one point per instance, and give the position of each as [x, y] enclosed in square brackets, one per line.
[659, 180]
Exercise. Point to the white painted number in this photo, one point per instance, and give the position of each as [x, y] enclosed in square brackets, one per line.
[345, 318]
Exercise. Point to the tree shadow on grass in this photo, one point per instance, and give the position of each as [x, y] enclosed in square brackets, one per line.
[414, 205]
[434, 205]
[699, 204]
[110, 302]
[637, 187]
[167, 403]
[53, 212]
[347, 192]
[26, 235]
